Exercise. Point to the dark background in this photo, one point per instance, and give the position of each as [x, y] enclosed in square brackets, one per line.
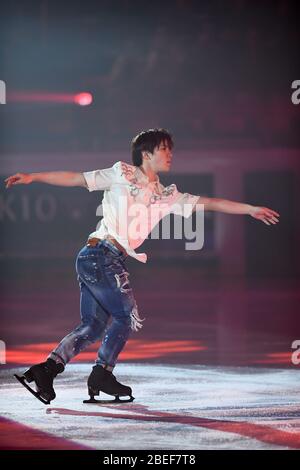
[215, 73]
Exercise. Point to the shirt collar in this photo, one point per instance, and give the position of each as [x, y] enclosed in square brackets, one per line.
[144, 177]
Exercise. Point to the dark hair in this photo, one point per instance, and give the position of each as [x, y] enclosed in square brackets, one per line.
[147, 141]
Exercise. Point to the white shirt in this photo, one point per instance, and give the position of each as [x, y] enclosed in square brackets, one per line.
[132, 205]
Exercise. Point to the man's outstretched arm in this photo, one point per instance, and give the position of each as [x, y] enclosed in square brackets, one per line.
[58, 178]
[268, 216]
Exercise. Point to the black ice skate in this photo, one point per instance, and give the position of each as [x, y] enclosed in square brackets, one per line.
[42, 374]
[101, 380]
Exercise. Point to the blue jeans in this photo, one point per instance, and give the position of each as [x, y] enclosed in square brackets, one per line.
[107, 306]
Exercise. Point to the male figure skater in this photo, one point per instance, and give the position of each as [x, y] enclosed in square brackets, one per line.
[107, 305]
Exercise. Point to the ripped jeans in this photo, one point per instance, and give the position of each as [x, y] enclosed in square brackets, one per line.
[107, 306]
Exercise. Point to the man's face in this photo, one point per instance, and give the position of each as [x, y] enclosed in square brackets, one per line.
[162, 157]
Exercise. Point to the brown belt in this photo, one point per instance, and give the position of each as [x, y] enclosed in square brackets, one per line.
[94, 241]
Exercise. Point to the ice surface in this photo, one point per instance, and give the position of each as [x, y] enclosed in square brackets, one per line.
[175, 407]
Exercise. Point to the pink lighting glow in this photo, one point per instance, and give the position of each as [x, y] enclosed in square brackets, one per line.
[83, 99]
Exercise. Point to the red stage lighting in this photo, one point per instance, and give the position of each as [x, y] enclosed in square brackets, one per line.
[83, 99]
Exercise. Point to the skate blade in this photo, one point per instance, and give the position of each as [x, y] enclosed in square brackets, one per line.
[22, 381]
[109, 402]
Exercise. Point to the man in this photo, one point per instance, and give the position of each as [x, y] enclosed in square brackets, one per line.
[102, 275]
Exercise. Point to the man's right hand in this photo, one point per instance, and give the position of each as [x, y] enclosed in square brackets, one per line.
[18, 178]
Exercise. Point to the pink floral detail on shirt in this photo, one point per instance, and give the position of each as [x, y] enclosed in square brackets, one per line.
[166, 192]
[129, 172]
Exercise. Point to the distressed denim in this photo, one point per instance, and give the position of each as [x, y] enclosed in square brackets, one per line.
[107, 306]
